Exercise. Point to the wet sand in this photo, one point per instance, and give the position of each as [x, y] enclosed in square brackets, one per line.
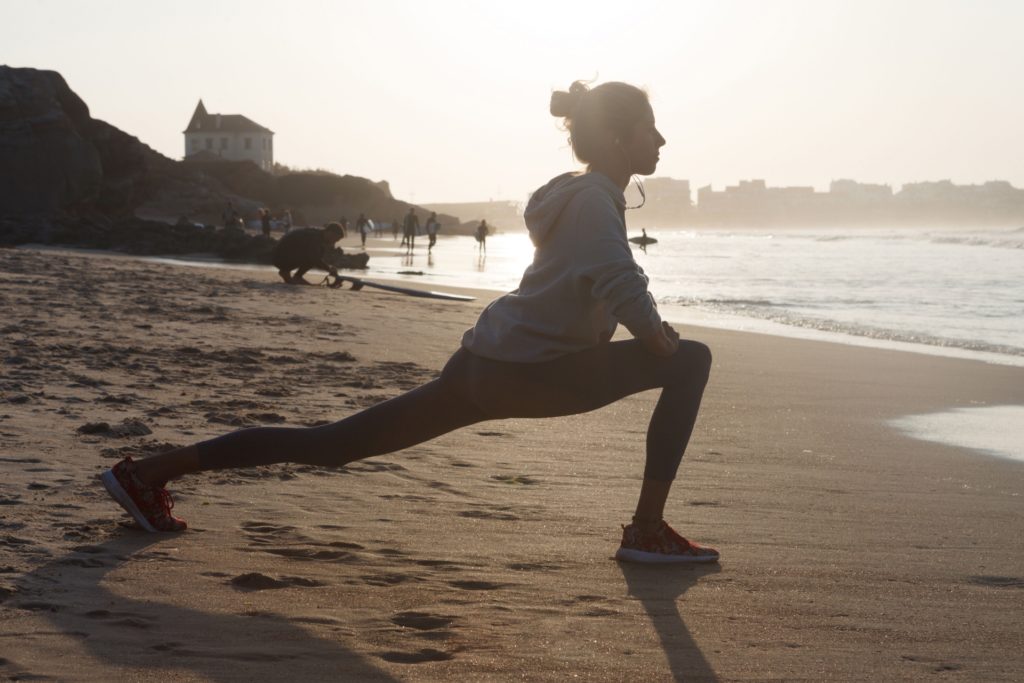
[849, 551]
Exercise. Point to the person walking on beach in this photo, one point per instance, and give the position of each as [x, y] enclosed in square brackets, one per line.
[265, 221]
[543, 350]
[411, 227]
[394, 231]
[363, 227]
[481, 236]
[432, 227]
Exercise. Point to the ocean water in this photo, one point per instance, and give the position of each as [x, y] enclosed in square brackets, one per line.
[943, 291]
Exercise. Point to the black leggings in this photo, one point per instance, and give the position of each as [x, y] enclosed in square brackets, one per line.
[473, 389]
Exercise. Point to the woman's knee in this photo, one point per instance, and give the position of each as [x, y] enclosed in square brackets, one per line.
[693, 359]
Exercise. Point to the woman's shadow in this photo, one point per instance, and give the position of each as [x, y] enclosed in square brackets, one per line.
[660, 589]
[135, 635]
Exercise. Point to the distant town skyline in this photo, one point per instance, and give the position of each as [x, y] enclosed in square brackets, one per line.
[751, 203]
[447, 101]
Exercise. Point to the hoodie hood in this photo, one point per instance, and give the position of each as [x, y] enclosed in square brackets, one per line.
[548, 202]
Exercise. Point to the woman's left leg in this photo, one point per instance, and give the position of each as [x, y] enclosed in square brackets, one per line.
[590, 379]
[596, 377]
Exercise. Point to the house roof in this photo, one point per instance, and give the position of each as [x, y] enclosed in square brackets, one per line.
[203, 122]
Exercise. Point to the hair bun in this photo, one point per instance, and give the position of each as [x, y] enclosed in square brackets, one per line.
[564, 103]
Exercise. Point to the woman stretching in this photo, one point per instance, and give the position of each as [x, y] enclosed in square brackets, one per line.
[543, 350]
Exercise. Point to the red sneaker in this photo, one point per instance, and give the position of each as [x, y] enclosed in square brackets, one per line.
[150, 506]
[663, 545]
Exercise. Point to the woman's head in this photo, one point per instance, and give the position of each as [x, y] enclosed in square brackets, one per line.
[612, 124]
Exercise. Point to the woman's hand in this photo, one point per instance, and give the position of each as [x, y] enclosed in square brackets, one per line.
[664, 341]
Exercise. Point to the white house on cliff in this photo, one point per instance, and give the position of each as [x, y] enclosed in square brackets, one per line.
[228, 136]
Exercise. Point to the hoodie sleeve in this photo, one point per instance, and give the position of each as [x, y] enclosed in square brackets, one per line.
[606, 263]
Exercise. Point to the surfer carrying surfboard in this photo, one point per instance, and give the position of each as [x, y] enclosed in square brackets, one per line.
[543, 350]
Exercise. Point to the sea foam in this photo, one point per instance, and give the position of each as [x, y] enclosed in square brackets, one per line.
[993, 430]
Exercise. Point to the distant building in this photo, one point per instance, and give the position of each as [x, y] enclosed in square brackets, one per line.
[667, 203]
[752, 202]
[228, 136]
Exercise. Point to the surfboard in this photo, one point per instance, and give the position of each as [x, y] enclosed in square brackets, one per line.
[643, 240]
[358, 283]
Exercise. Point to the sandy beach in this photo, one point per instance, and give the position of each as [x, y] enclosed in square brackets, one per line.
[849, 551]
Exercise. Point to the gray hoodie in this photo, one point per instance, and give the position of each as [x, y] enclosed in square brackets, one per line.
[583, 280]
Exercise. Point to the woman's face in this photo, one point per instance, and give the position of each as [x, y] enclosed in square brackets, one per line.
[643, 146]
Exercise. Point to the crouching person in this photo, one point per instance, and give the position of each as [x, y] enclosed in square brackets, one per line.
[301, 250]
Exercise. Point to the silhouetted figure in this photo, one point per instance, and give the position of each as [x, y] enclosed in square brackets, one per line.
[265, 221]
[287, 220]
[643, 240]
[301, 250]
[544, 350]
[432, 227]
[481, 236]
[363, 227]
[394, 230]
[230, 216]
[410, 228]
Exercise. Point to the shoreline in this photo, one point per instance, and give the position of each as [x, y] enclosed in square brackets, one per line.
[850, 550]
[675, 314]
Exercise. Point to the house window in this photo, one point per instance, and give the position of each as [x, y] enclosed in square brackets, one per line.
[194, 144]
[223, 143]
[248, 143]
[264, 141]
[209, 143]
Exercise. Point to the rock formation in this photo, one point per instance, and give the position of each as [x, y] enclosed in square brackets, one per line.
[67, 178]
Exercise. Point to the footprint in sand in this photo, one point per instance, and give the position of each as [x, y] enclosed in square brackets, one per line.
[997, 581]
[422, 621]
[302, 548]
[425, 655]
[261, 533]
[389, 579]
[478, 585]
[534, 566]
[311, 554]
[254, 581]
[489, 514]
[443, 565]
[515, 479]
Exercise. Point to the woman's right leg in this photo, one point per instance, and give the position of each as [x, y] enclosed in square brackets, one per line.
[419, 415]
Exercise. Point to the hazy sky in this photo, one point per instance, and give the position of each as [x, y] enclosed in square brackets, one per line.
[448, 100]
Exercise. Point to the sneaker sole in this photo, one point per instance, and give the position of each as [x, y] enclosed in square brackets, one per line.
[644, 557]
[117, 492]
